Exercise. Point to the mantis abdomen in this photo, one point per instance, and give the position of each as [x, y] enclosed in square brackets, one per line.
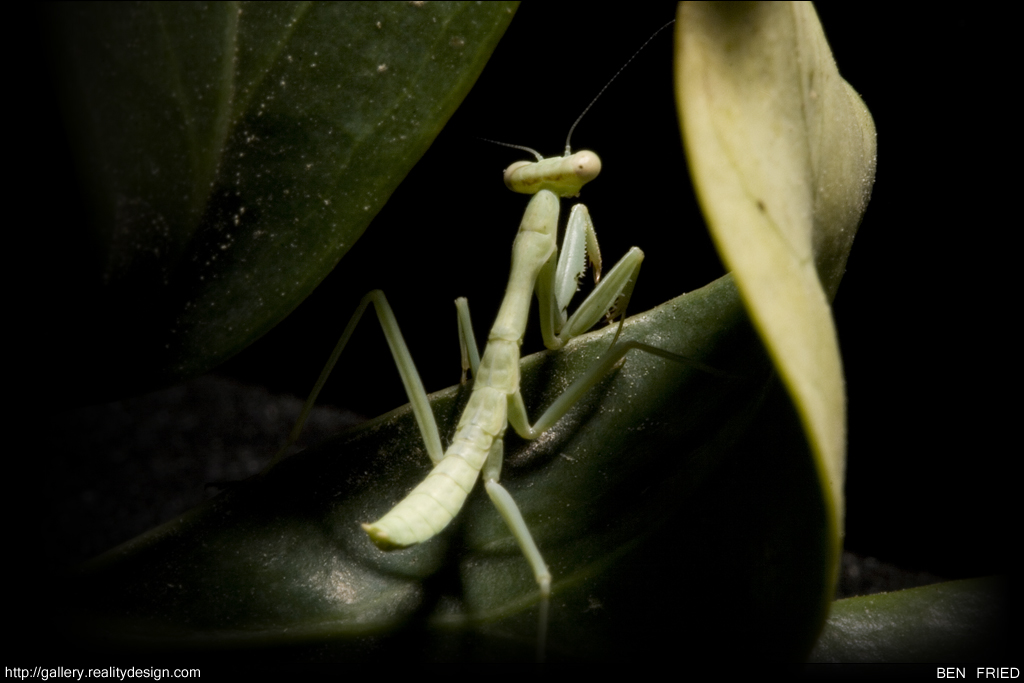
[434, 503]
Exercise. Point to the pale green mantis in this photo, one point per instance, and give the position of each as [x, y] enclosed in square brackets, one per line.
[496, 402]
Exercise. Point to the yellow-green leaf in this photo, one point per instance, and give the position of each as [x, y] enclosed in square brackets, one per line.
[782, 153]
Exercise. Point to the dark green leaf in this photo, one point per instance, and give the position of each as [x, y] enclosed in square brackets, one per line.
[949, 622]
[233, 154]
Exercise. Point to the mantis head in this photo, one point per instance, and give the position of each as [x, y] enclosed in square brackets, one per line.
[564, 176]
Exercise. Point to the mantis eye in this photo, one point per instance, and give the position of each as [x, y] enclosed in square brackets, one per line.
[512, 169]
[586, 165]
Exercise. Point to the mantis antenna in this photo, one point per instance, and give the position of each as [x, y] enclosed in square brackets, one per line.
[568, 149]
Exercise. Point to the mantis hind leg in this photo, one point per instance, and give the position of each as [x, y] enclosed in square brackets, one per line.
[406, 368]
[519, 420]
[509, 511]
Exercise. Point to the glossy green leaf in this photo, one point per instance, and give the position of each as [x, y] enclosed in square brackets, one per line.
[782, 152]
[233, 153]
[949, 622]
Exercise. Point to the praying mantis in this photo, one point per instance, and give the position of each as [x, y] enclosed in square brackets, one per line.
[541, 267]
[496, 402]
